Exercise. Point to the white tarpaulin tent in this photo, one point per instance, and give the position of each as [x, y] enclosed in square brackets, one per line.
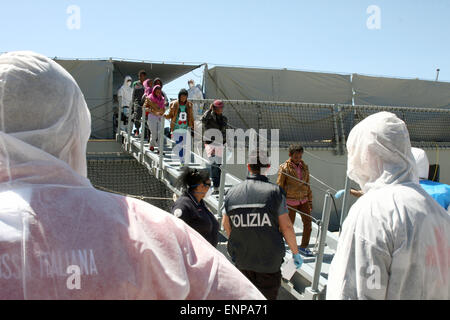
[232, 83]
[400, 92]
[99, 80]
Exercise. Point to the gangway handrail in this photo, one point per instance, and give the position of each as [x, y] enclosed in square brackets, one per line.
[322, 225]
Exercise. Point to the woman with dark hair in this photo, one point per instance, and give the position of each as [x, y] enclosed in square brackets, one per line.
[155, 105]
[181, 119]
[190, 207]
[158, 82]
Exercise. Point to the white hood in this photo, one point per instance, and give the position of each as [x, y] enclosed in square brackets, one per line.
[127, 78]
[35, 87]
[125, 92]
[423, 165]
[379, 152]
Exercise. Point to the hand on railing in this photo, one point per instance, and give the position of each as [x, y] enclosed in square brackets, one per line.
[339, 194]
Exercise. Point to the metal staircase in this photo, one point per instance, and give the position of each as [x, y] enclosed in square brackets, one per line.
[310, 281]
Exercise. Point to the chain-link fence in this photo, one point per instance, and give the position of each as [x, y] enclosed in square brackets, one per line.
[129, 177]
[327, 126]
[312, 125]
[426, 126]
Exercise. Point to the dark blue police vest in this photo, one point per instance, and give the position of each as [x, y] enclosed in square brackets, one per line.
[255, 243]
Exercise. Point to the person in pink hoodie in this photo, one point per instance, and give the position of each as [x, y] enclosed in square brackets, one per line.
[60, 238]
[155, 105]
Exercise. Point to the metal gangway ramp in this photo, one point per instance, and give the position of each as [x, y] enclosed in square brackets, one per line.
[310, 281]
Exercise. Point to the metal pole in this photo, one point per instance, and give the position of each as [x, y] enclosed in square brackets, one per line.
[161, 146]
[345, 202]
[142, 133]
[222, 182]
[336, 133]
[119, 119]
[323, 238]
[130, 125]
[343, 138]
[258, 107]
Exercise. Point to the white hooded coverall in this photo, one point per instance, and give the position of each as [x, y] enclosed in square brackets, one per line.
[125, 94]
[395, 242]
[62, 239]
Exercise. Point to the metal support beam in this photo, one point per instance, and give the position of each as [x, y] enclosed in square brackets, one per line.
[343, 137]
[222, 182]
[130, 128]
[336, 133]
[161, 148]
[119, 118]
[322, 241]
[142, 135]
[345, 203]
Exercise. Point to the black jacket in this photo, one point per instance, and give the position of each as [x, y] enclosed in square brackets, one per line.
[198, 217]
[211, 120]
[138, 92]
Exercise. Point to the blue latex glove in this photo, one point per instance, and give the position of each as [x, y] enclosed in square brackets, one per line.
[339, 194]
[298, 260]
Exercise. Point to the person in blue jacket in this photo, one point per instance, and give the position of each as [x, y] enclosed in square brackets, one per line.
[439, 191]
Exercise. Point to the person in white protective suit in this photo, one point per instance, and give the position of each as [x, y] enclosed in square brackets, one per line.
[395, 242]
[62, 239]
[195, 93]
[422, 163]
[125, 95]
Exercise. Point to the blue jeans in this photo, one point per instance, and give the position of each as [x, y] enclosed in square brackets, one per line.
[179, 136]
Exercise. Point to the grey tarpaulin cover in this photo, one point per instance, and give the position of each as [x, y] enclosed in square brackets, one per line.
[99, 80]
[400, 92]
[95, 79]
[277, 85]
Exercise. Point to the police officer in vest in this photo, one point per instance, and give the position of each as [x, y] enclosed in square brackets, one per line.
[256, 221]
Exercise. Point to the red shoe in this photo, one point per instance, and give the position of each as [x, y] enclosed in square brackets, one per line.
[152, 148]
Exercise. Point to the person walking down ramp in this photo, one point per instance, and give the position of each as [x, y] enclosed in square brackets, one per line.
[155, 104]
[256, 221]
[293, 177]
[181, 124]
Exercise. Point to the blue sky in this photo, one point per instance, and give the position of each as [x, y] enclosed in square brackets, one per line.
[329, 36]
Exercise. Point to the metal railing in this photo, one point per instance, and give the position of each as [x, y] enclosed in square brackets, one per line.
[322, 224]
[325, 221]
[327, 125]
[336, 120]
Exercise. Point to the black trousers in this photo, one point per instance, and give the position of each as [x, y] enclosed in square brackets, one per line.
[137, 116]
[268, 283]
